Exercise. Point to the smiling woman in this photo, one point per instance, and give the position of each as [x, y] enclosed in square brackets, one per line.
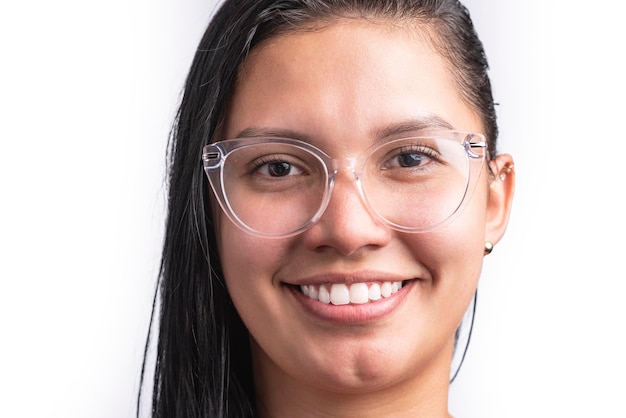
[324, 263]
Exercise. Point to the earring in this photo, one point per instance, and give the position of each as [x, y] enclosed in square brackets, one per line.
[505, 171]
[488, 247]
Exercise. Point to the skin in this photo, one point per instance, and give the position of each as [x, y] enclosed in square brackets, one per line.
[340, 87]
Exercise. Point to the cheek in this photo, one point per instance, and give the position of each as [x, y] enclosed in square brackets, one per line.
[244, 257]
[249, 265]
[454, 254]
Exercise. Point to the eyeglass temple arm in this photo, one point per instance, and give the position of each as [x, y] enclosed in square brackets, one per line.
[471, 145]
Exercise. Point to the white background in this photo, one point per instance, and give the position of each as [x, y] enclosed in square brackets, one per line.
[87, 94]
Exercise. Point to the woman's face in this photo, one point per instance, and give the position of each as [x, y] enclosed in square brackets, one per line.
[340, 88]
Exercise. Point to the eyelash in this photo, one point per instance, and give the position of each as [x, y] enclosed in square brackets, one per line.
[266, 160]
[425, 151]
[421, 149]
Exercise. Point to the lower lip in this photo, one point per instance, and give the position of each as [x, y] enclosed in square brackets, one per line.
[352, 314]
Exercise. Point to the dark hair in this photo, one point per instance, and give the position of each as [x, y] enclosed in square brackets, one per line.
[203, 366]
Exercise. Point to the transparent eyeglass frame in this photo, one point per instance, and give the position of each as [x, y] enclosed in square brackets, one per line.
[215, 155]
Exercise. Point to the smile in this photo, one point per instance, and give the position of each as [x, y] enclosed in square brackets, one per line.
[355, 293]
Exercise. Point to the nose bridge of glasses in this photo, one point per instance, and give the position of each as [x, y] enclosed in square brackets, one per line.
[343, 164]
[349, 165]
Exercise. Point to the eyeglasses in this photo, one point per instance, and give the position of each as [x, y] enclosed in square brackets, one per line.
[279, 187]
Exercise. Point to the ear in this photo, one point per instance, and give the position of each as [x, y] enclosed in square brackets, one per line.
[501, 190]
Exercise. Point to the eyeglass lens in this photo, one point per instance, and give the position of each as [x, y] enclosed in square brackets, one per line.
[411, 184]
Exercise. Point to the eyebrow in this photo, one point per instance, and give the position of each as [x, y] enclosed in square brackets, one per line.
[413, 125]
[279, 133]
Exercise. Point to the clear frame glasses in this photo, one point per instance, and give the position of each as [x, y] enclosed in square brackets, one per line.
[279, 187]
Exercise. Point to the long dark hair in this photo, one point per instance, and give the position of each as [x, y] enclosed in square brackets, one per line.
[203, 366]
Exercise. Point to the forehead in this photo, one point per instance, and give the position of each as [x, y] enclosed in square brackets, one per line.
[348, 77]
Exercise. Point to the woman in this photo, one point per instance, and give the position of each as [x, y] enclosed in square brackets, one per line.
[324, 263]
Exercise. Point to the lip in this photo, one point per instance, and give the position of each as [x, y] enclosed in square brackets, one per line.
[349, 278]
[352, 314]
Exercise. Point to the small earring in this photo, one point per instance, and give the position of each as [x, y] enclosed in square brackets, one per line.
[488, 247]
[505, 171]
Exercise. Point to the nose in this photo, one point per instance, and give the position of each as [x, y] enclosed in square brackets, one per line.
[346, 225]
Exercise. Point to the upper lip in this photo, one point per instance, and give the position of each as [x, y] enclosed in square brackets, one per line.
[349, 278]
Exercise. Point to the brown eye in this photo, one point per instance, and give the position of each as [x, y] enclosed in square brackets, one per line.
[411, 160]
[279, 169]
[276, 167]
[410, 157]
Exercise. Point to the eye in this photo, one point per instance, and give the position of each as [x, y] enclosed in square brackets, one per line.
[412, 159]
[412, 156]
[272, 166]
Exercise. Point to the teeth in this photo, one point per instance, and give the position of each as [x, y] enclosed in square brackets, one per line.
[339, 294]
[374, 292]
[324, 294]
[313, 292]
[359, 293]
[356, 293]
[386, 289]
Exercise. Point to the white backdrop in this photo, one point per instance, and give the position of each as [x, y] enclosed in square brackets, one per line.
[87, 94]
